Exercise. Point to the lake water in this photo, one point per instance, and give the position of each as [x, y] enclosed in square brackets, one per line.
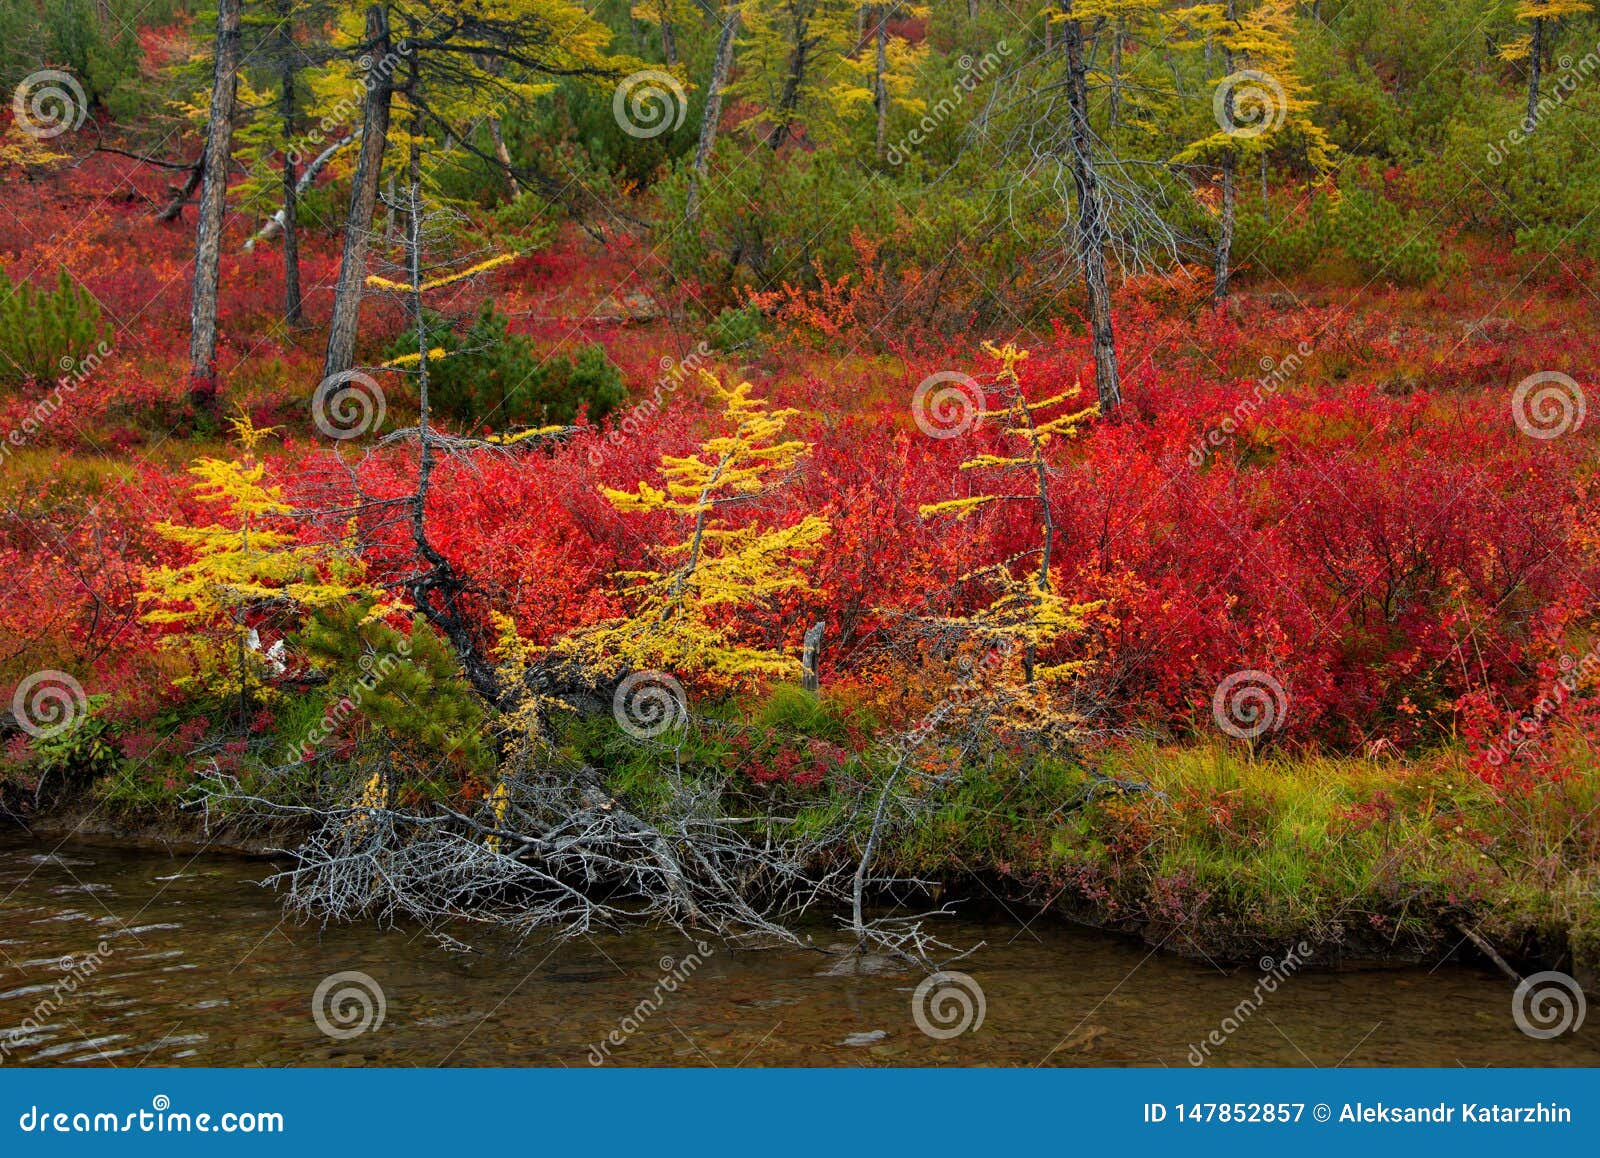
[183, 960]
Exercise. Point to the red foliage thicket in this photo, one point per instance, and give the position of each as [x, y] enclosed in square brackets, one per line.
[1338, 498]
[1381, 557]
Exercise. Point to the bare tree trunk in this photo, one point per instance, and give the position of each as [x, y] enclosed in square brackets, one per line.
[811, 658]
[1224, 254]
[720, 68]
[437, 589]
[880, 83]
[1114, 110]
[1091, 232]
[1535, 61]
[972, 9]
[503, 155]
[174, 208]
[1230, 182]
[213, 197]
[274, 225]
[363, 196]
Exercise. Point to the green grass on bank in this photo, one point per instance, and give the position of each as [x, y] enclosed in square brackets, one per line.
[1220, 850]
[1213, 849]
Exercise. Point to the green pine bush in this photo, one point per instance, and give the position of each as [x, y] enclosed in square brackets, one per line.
[44, 333]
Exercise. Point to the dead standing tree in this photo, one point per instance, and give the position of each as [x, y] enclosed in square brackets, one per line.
[1044, 116]
[213, 191]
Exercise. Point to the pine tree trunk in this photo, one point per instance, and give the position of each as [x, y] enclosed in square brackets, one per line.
[1091, 233]
[669, 35]
[213, 198]
[880, 82]
[1114, 103]
[363, 197]
[720, 68]
[789, 95]
[1535, 59]
[293, 303]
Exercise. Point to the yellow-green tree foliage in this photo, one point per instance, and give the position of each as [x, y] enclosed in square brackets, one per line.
[721, 563]
[242, 569]
[1535, 12]
[795, 72]
[1263, 102]
[1028, 616]
[455, 63]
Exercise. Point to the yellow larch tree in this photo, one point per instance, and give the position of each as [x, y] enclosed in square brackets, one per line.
[1028, 615]
[721, 563]
[244, 567]
[1258, 103]
[1540, 16]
